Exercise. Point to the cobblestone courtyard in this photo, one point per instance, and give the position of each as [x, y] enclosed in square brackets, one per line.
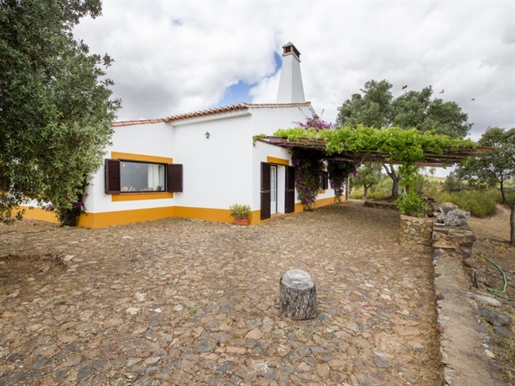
[186, 302]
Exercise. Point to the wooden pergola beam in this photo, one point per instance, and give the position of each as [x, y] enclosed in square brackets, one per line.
[431, 159]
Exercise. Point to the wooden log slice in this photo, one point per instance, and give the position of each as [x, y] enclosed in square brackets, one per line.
[298, 298]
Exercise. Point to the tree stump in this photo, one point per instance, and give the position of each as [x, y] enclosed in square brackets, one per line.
[298, 297]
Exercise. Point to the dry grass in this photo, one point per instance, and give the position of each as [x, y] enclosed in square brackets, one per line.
[492, 241]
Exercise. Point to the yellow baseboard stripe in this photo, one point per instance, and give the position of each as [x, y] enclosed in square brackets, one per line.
[34, 213]
[100, 220]
[104, 219]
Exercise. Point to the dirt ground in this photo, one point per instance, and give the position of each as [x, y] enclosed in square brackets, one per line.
[188, 302]
[492, 235]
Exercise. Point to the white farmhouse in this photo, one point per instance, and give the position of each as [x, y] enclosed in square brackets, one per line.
[198, 164]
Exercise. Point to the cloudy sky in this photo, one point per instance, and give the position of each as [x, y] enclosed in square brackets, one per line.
[173, 57]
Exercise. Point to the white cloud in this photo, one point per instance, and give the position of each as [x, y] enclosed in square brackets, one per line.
[175, 57]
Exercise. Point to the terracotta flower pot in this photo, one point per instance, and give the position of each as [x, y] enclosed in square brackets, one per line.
[242, 221]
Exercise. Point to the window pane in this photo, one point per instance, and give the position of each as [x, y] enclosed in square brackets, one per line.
[142, 177]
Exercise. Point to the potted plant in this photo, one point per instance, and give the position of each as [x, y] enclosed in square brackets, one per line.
[241, 214]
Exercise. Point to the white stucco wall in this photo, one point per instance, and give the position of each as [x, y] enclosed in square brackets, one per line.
[217, 172]
[151, 140]
[267, 121]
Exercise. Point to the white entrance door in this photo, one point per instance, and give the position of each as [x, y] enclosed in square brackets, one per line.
[273, 189]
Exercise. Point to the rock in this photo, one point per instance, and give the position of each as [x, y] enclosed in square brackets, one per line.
[152, 360]
[505, 333]
[225, 367]
[323, 370]
[133, 361]
[447, 207]
[236, 350]
[381, 362]
[488, 300]
[454, 218]
[132, 310]
[84, 374]
[140, 297]
[494, 317]
[254, 334]
[205, 346]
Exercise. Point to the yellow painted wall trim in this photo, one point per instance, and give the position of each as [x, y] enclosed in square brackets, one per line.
[103, 219]
[99, 220]
[34, 213]
[280, 161]
[140, 157]
[208, 214]
[324, 202]
[140, 196]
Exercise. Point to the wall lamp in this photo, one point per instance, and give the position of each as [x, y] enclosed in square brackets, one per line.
[207, 135]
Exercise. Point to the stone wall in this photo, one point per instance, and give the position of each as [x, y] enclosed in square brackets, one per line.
[416, 233]
[380, 204]
[456, 239]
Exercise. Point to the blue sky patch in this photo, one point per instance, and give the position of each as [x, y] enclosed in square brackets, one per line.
[239, 92]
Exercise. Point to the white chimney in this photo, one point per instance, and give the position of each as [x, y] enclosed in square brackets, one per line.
[290, 83]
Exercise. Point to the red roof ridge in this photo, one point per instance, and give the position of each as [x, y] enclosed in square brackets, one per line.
[136, 122]
[235, 107]
[211, 111]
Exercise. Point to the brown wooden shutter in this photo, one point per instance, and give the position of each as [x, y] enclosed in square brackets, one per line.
[325, 181]
[174, 178]
[112, 176]
[289, 205]
[265, 190]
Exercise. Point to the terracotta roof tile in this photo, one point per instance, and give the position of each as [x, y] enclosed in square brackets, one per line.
[236, 107]
[213, 111]
[136, 122]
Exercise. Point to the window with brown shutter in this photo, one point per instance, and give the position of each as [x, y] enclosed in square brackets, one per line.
[174, 178]
[128, 176]
[112, 176]
[265, 190]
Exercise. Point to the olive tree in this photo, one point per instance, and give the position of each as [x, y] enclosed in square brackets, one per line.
[495, 169]
[56, 109]
[376, 107]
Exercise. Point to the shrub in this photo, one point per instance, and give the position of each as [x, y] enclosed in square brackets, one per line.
[240, 211]
[384, 187]
[479, 204]
[357, 194]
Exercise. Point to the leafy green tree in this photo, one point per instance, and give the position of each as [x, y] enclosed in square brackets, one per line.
[453, 183]
[496, 169]
[368, 175]
[371, 108]
[416, 109]
[376, 107]
[55, 106]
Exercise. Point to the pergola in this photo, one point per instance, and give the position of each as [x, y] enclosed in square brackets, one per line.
[431, 159]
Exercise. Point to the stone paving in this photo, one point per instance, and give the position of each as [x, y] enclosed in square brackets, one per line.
[188, 302]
